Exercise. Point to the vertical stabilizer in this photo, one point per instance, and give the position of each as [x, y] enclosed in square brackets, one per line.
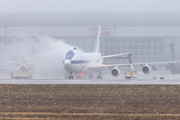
[97, 47]
[172, 51]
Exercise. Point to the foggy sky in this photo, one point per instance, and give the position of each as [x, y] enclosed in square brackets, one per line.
[99, 6]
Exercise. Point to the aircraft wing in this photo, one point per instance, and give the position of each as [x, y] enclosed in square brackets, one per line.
[12, 62]
[115, 55]
[106, 66]
[151, 63]
[31, 63]
[26, 63]
[119, 65]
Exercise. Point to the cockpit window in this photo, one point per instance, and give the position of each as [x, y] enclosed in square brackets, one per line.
[71, 53]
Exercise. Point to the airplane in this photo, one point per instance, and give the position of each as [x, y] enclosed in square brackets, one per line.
[80, 62]
[76, 61]
[173, 67]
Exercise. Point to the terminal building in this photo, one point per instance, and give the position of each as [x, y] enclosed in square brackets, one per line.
[146, 35]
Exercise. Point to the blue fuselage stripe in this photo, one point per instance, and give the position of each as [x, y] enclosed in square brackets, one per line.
[79, 61]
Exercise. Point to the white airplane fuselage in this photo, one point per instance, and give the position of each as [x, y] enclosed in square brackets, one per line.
[78, 62]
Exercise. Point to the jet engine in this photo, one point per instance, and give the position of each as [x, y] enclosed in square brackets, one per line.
[115, 72]
[146, 69]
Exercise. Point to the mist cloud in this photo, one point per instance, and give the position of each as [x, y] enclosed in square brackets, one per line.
[40, 52]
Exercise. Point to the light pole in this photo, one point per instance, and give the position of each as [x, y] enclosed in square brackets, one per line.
[5, 31]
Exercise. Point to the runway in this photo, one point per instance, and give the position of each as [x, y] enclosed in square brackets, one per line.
[107, 79]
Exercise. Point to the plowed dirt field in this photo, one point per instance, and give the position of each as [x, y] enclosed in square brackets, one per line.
[90, 102]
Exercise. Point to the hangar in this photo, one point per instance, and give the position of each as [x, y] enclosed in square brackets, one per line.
[146, 35]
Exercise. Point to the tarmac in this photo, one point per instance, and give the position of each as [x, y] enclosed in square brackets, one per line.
[107, 79]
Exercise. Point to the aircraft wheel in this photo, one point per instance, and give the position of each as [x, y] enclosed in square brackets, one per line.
[70, 77]
[99, 77]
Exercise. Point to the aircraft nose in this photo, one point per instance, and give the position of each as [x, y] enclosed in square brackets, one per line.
[67, 62]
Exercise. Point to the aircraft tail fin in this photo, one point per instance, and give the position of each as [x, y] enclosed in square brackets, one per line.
[97, 47]
[172, 51]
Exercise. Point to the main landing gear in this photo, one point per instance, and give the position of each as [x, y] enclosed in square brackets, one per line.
[99, 77]
[99, 74]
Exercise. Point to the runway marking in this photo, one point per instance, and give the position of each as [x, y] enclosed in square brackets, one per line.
[87, 114]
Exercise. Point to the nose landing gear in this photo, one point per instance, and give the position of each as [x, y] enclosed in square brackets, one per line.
[69, 76]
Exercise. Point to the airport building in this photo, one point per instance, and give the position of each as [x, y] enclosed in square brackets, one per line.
[147, 36]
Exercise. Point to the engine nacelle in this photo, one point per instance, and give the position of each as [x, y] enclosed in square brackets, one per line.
[146, 69]
[115, 72]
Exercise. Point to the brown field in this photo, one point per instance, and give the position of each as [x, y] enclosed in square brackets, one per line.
[90, 102]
